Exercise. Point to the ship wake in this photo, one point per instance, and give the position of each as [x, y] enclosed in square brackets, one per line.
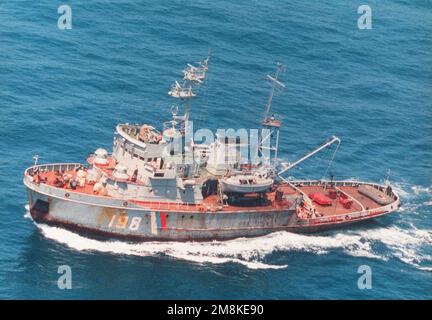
[408, 244]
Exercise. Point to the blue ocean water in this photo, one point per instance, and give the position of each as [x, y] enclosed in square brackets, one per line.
[63, 91]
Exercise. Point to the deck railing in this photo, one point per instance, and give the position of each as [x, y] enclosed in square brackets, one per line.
[351, 215]
[354, 215]
[348, 183]
[80, 197]
[162, 205]
[53, 167]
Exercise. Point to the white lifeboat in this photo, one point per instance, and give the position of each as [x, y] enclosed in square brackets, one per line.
[246, 183]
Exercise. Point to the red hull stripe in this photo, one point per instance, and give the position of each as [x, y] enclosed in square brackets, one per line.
[163, 220]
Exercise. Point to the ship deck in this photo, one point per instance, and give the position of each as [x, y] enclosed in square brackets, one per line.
[291, 194]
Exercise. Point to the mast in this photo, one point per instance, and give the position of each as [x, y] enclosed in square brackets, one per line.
[274, 83]
[269, 137]
[193, 77]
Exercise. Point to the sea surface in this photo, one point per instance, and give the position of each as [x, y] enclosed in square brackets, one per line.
[62, 92]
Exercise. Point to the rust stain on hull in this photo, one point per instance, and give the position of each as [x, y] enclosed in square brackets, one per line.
[106, 215]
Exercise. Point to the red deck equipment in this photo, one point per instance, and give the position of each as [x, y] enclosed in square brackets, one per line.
[347, 203]
[320, 198]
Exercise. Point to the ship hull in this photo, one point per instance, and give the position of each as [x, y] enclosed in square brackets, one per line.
[132, 223]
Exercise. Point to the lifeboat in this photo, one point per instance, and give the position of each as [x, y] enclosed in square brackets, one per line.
[246, 183]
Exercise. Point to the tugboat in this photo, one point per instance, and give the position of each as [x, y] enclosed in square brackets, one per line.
[159, 185]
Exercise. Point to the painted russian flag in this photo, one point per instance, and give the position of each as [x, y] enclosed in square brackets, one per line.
[161, 221]
[157, 222]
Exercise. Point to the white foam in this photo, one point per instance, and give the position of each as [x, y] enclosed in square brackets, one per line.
[208, 252]
[405, 244]
[413, 197]
[407, 191]
[400, 189]
[251, 252]
[420, 189]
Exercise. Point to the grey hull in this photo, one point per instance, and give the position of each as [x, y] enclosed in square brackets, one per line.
[138, 224]
[145, 225]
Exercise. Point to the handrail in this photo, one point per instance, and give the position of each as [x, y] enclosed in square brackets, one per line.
[344, 183]
[54, 167]
[341, 183]
[356, 214]
[187, 206]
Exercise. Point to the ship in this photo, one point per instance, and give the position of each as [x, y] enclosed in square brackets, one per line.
[161, 185]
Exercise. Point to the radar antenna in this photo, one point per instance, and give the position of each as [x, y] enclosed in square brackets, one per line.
[193, 76]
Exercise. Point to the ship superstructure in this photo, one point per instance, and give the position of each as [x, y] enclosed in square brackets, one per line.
[159, 184]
